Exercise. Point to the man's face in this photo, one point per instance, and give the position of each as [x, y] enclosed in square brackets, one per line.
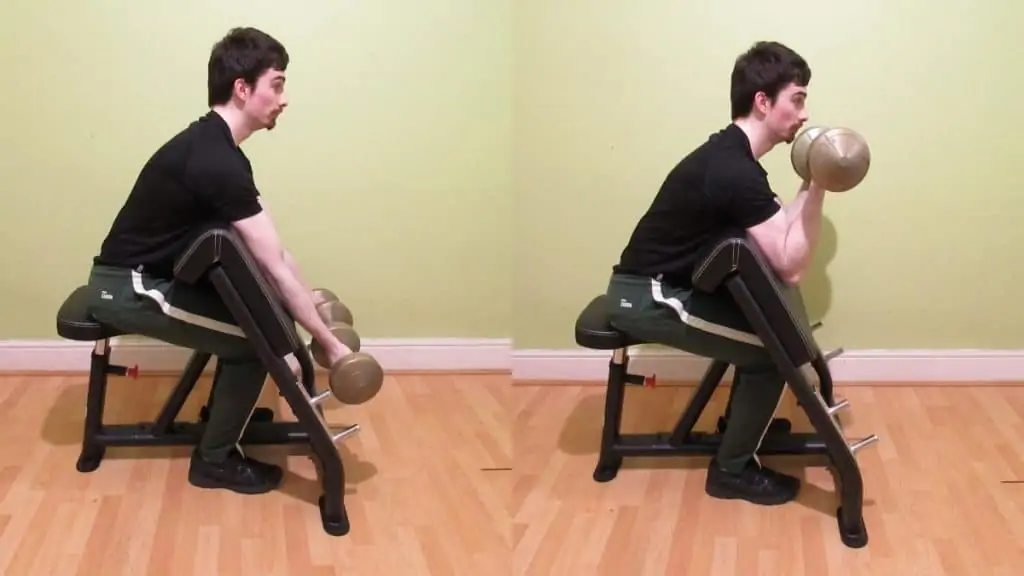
[787, 114]
[264, 101]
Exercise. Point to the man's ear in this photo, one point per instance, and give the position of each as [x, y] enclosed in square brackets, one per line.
[241, 89]
[761, 102]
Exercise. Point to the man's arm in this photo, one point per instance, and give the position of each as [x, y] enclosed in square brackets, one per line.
[294, 267]
[290, 261]
[790, 237]
[261, 238]
[230, 193]
[786, 235]
[804, 217]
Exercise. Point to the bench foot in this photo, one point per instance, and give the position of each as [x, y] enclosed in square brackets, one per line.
[607, 468]
[855, 536]
[90, 458]
[335, 521]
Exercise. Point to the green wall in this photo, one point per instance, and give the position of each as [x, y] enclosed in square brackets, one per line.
[924, 254]
[473, 168]
[388, 175]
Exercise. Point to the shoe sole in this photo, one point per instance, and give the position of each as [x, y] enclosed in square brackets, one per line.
[211, 484]
[726, 494]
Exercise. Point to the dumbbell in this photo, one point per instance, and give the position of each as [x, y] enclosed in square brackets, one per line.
[344, 333]
[330, 307]
[358, 376]
[836, 158]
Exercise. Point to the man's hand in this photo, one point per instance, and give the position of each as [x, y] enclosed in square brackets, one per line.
[334, 349]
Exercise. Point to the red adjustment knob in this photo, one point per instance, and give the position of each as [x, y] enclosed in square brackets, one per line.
[132, 372]
[651, 381]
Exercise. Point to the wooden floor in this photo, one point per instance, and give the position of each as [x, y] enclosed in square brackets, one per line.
[467, 475]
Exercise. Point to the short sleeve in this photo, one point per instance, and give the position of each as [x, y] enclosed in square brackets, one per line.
[743, 200]
[224, 186]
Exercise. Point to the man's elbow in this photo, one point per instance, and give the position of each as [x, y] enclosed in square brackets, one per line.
[788, 272]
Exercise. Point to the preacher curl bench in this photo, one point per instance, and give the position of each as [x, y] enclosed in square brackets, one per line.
[217, 255]
[736, 266]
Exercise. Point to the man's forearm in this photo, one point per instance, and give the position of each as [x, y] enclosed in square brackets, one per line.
[804, 226]
[294, 267]
[298, 299]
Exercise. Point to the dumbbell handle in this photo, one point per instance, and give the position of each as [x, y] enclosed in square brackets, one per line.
[344, 333]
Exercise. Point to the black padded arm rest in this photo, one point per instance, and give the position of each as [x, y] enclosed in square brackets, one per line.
[218, 246]
[781, 304]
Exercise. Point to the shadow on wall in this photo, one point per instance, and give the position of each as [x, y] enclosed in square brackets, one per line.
[816, 287]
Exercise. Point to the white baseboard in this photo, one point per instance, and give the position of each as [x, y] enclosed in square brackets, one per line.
[394, 355]
[496, 354]
[886, 366]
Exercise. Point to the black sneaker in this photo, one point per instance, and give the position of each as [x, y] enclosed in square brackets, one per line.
[754, 483]
[236, 473]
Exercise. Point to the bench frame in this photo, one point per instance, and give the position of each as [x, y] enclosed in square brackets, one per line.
[166, 429]
[311, 427]
[827, 438]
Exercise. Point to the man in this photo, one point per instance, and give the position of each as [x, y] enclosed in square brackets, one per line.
[718, 189]
[201, 176]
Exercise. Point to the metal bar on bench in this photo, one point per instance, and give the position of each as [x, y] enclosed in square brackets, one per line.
[834, 354]
[319, 398]
[344, 432]
[706, 444]
[863, 443]
[838, 406]
[188, 434]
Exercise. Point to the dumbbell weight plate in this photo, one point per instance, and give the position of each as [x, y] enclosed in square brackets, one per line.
[334, 311]
[800, 154]
[356, 378]
[324, 295]
[839, 158]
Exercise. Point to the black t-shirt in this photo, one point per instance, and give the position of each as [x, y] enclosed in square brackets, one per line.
[718, 189]
[199, 177]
